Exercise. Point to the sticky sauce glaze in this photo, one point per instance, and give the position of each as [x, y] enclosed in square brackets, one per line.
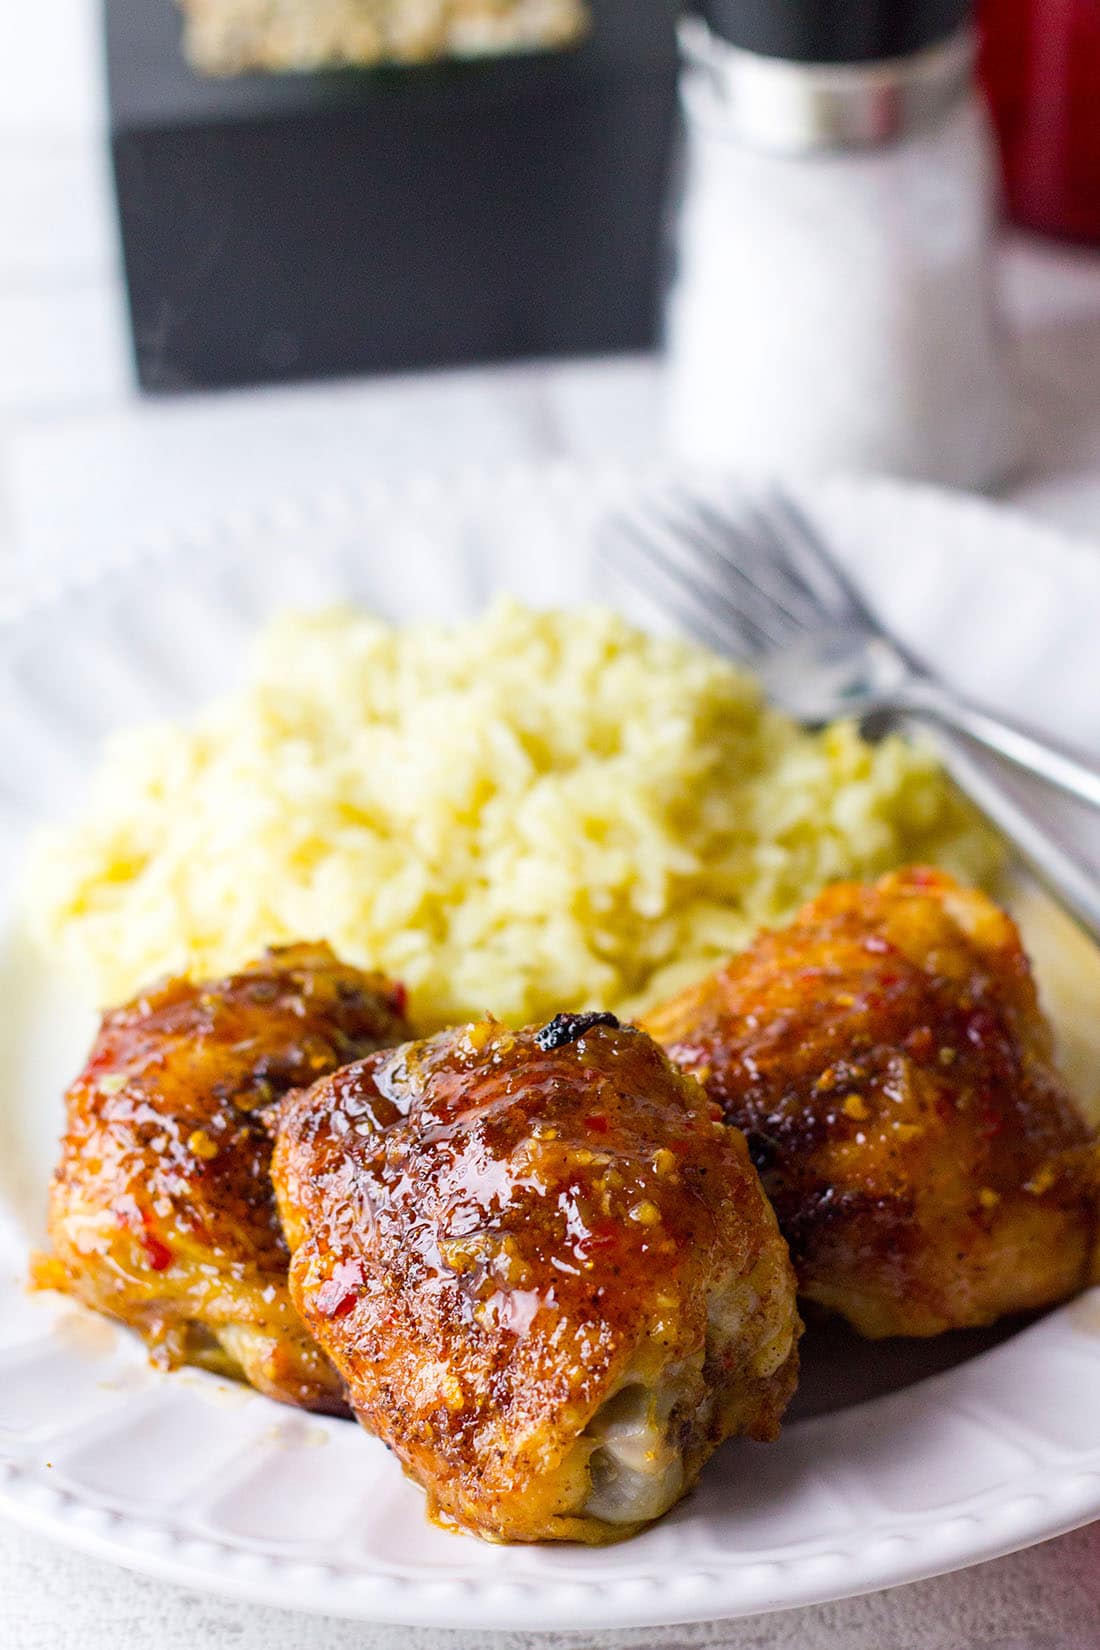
[161, 1209]
[491, 1228]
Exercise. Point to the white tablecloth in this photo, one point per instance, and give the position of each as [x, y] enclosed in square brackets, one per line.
[85, 466]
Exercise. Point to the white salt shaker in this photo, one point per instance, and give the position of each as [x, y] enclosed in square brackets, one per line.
[833, 304]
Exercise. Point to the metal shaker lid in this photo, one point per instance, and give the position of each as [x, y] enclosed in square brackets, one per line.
[835, 31]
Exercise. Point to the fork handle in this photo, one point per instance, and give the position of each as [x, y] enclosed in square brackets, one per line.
[1071, 883]
[1059, 764]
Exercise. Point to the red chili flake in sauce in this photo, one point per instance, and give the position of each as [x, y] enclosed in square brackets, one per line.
[160, 1256]
[597, 1124]
[600, 1235]
[338, 1294]
[991, 1121]
[399, 998]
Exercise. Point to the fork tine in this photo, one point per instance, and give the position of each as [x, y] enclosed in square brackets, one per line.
[794, 537]
[770, 579]
[695, 602]
[732, 588]
[633, 550]
[750, 578]
[670, 599]
[810, 546]
[749, 524]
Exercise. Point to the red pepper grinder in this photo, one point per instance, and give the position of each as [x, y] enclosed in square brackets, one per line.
[1041, 63]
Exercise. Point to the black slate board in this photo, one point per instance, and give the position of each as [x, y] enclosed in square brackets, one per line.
[288, 226]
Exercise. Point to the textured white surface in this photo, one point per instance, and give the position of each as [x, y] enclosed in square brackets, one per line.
[1047, 1598]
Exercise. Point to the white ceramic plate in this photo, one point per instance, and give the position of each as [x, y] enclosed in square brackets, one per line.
[203, 1482]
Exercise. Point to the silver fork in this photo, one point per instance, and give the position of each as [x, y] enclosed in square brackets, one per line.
[758, 581]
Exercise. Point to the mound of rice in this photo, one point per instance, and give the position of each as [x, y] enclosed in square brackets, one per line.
[525, 813]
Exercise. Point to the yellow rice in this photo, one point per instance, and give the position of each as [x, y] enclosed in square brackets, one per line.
[524, 813]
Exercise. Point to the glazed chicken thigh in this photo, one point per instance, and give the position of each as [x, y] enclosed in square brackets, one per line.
[888, 1060]
[548, 1277]
[161, 1209]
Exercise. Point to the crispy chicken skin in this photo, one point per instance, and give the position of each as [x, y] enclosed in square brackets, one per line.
[888, 1060]
[161, 1209]
[549, 1278]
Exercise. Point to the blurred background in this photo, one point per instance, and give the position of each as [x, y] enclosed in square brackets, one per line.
[277, 245]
